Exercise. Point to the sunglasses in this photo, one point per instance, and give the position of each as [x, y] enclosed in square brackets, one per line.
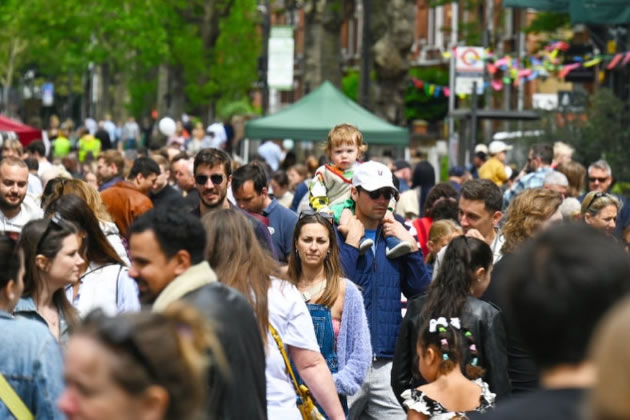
[594, 198]
[313, 213]
[600, 180]
[56, 220]
[387, 193]
[119, 332]
[217, 179]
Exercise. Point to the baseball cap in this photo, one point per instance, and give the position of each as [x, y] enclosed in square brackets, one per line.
[481, 148]
[498, 146]
[372, 176]
[457, 171]
[401, 164]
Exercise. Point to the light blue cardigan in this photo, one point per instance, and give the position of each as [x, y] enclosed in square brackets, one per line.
[354, 348]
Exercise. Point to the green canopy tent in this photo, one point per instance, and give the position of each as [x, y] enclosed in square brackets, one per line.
[312, 117]
[604, 12]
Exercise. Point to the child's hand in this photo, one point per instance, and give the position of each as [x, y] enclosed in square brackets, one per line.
[353, 230]
[392, 227]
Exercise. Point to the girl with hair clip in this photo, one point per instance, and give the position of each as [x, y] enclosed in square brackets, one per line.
[52, 259]
[141, 366]
[455, 293]
[448, 394]
[104, 281]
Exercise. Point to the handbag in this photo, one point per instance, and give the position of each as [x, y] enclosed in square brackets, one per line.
[13, 401]
[306, 405]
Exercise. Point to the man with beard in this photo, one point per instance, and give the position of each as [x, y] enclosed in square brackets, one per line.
[167, 261]
[16, 207]
[213, 176]
[109, 168]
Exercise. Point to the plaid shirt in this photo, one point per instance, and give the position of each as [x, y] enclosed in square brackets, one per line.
[533, 180]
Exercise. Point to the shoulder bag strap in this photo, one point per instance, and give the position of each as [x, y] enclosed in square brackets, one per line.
[13, 401]
[287, 363]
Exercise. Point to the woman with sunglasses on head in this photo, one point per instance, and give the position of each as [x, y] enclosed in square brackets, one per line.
[52, 260]
[240, 262]
[30, 357]
[335, 303]
[600, 209]
[141, 366]
[58, 187]
[104, 281]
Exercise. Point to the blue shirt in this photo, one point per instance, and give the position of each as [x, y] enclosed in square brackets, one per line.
[371, 234]
[31, 361]
[281, 225]
[532, 180]
[272, 153]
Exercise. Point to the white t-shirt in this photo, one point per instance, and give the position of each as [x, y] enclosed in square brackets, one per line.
[290, 317]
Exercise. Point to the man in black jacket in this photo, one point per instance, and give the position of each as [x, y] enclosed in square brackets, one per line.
[166, 247]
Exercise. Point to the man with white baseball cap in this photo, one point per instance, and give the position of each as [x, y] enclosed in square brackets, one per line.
[494, 168]
[381, 280]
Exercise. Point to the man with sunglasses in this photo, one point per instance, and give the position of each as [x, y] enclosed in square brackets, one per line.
[600, 179]
[213, 175]
[381, 280]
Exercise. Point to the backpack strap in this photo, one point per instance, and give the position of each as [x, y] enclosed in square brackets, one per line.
[13, 401]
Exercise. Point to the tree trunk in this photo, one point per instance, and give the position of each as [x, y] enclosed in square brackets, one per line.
[322, 40]
[392, 26]
[16, 47]
[162, 91]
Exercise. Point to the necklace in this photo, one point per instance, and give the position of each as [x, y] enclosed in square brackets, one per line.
[314, 290]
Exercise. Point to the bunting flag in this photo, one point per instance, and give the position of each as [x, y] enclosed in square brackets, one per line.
[514, 71]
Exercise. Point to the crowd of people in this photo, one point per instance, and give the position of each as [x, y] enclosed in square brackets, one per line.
[182, 284]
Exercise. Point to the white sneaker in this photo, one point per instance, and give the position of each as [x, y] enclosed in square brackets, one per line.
[365, 244]
[403, 248]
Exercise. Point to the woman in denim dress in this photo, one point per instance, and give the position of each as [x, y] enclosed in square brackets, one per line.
[334, 302]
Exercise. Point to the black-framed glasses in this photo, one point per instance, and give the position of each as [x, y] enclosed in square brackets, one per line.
[386, 192]
[311, 212]
[55, 220]
[119, 332]
[216, 179]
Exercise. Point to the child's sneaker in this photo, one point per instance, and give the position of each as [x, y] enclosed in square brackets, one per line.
[365, 245]
[396, 248]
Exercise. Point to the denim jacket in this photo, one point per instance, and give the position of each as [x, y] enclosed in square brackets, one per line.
[31, 361]
[27, 309]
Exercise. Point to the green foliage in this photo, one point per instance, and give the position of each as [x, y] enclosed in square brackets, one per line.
[350, 85]
[216, 57]
[421, 106]
[548, 22]
[604, 135]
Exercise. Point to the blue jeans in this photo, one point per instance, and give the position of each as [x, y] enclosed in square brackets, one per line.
[322, 321]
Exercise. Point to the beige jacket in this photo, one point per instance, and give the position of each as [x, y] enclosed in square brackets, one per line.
[192, 279]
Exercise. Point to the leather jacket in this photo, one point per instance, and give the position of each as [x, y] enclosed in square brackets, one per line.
[243, 394]
[483, 320]
[125, 203]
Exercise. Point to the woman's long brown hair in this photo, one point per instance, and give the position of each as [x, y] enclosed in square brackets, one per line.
[332, 266]
[239, 261]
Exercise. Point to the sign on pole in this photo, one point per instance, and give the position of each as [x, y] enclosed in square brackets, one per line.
[469, 66]
[280, 64]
